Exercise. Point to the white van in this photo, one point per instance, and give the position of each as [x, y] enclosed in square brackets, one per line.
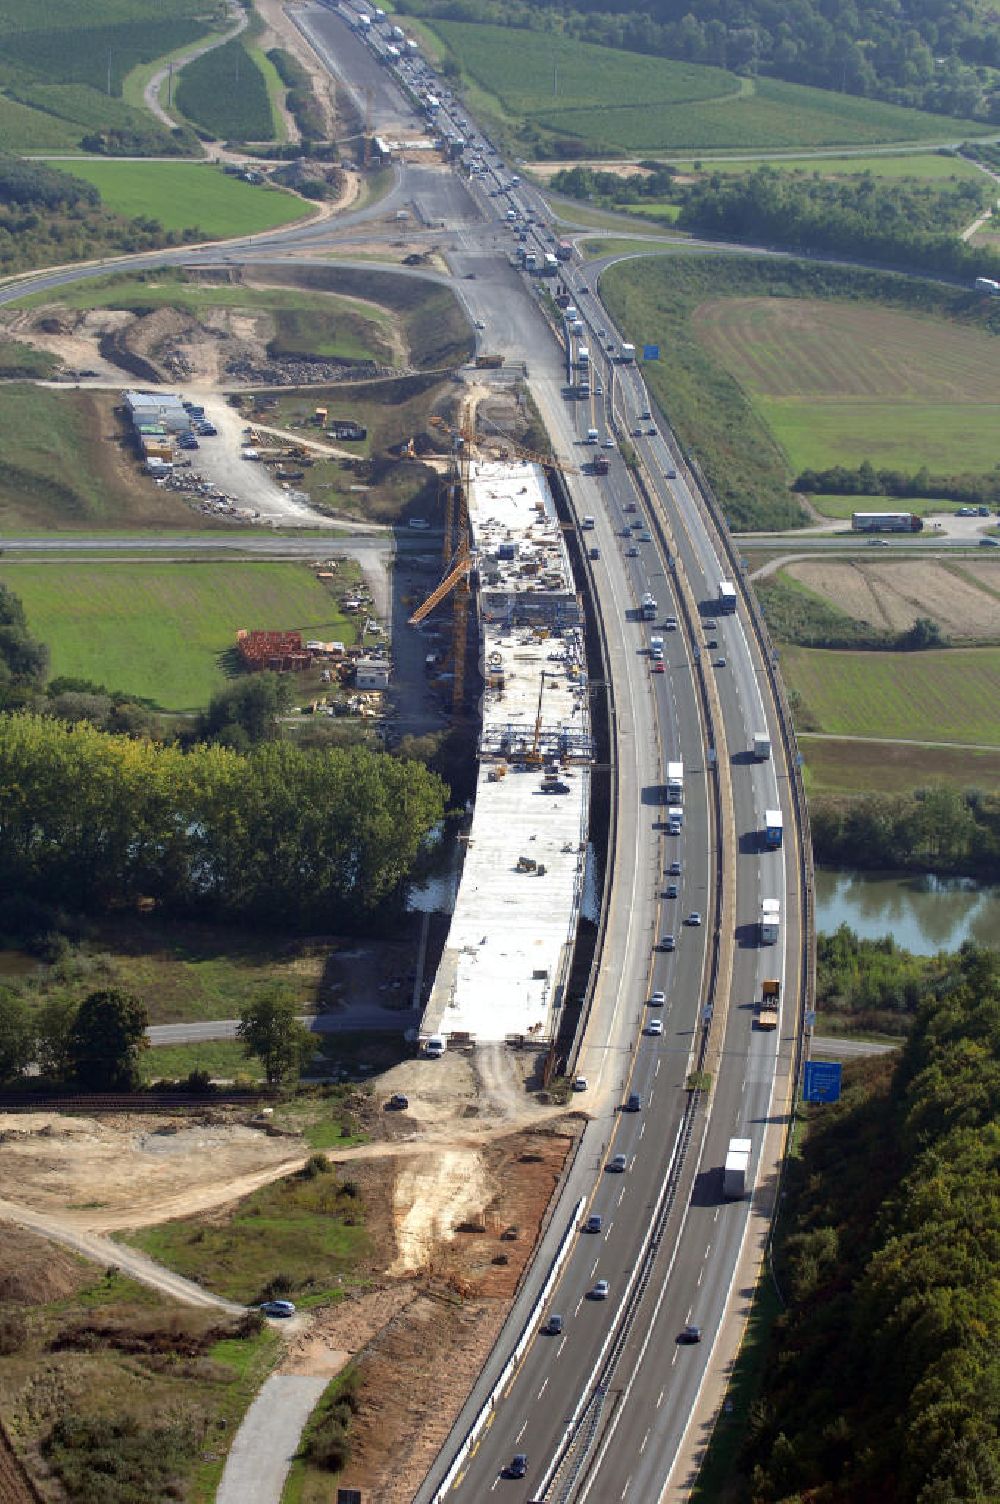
[592, 436]
[435, 1047]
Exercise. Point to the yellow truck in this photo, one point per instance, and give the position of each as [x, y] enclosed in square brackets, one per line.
[767, 1007]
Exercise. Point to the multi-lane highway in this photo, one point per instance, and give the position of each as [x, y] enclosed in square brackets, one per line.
[600, 1407]
[605, 1408]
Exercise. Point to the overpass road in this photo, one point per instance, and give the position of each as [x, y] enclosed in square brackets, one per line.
[603, 1408]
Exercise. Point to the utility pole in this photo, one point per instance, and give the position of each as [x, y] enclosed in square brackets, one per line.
[170, 86]
[109, 72]
[555, 78]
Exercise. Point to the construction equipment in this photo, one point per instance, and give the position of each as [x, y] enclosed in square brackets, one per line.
[460, 565]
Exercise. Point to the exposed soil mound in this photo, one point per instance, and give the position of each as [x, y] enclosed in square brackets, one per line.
[34, 1271]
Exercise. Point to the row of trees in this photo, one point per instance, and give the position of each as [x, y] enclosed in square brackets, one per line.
[97, 1043]
[865, 480]
[300, 98]
[939, 55]
[938, 829]
[278, 836]
[881, 1379]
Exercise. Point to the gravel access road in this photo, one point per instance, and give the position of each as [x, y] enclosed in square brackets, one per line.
[268, 1439]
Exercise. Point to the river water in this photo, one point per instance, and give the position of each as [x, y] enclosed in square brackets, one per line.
[924, 914]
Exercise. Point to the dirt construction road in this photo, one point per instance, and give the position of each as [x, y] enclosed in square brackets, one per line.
[104, 1251]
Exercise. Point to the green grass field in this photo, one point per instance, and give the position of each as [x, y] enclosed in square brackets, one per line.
[951, 695]
[944, 436]
[164, 632]
[853, 767]
[222, 1058]
[308, 1230]
[935, 165]
[575, 89]
[846, 506]
[838, 383]
[188, 195]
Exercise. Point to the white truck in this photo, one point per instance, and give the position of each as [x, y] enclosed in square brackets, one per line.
[675, 819]
[761, 747]
[675, 782]
[770, 920]
[736, 1175]
[583, 357]
[656, 649]
[628, 354]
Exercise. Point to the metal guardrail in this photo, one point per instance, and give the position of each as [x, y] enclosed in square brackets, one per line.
[507, 1372]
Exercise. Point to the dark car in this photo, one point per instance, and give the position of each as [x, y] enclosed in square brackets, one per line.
[670, 891]
[518, 1466]
[633, 1103]
[397, 1102]
[594, 1223]
[690, 1334]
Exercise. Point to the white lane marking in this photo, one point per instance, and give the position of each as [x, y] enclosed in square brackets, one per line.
[624, 1491]
[520, 1433]
[611, 1225]
[701, 1276]
[594, 1269]
[645, 1439]
[621, 1195]
[659, 1401]
[657, 1071]
[642, 1130]
[561, 1346]
[578, 1305]
[542, 1391]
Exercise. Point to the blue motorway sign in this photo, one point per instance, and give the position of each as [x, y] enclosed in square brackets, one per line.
[650, 352]
[822, 1083]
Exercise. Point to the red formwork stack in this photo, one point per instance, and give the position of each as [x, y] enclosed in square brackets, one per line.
[281, 652]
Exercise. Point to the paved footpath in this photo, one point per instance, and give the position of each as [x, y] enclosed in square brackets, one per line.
[266, 1442]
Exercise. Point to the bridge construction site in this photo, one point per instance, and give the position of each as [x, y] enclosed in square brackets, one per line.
[503, 971]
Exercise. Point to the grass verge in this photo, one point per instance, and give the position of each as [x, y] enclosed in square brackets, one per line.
[222, 1058]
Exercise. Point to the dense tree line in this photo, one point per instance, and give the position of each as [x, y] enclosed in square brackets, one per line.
[23, 661]
[938, 55]
[903, 221]
[276, 836]
[938, 829]
[874, 983]
[881, 1379]
[865, 480]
